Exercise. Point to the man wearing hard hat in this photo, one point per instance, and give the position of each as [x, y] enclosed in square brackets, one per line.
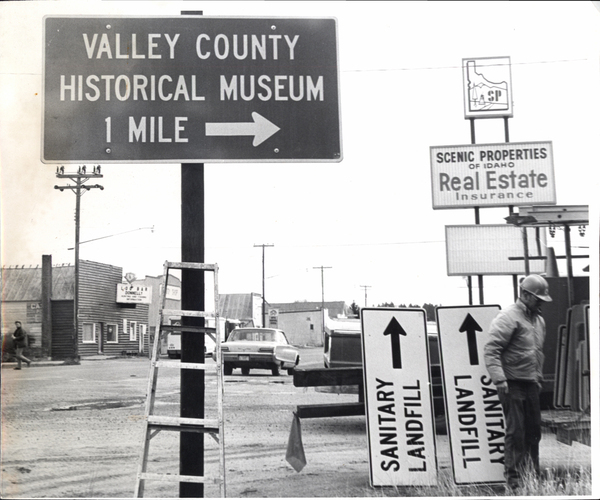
[514, 358]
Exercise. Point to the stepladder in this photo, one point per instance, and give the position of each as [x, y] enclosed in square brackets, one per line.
[158, 418]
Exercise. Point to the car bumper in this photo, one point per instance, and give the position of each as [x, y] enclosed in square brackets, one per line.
[255, 360]
[250, 360]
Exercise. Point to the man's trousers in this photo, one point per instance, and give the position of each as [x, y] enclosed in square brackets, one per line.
[523, 422]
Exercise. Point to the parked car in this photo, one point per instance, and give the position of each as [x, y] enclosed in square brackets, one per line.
[174, 345]
[264, 348]
[174, 338]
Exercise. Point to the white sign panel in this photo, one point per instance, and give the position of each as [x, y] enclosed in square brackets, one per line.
[133, 294]
[485, 175]
[398, 397]
[494, 249]
[487, 87]
[273, 318]
[173, 292]
[473, 410]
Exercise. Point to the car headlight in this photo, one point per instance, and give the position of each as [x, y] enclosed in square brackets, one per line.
[265, 349]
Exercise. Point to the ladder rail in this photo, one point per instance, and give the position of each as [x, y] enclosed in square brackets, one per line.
[151, 387]
[153, 423]
[220, 389]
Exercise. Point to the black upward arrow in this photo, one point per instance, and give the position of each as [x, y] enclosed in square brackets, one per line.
[394, 330]
[471, 326]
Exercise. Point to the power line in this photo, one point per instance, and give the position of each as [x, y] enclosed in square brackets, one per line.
[431, 68]
[325, 245]
[384, 70]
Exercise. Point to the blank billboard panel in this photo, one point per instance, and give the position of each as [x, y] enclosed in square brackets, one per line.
[493, 249]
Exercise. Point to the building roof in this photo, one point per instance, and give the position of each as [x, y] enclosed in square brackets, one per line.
[25, 284]
[237, 305]
[335, 308]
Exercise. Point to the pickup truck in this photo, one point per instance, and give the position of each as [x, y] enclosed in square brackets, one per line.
[342, 348]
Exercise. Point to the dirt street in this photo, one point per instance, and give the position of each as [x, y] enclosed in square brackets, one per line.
[74, 431]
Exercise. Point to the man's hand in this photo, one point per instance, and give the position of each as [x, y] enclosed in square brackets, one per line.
[502, 387]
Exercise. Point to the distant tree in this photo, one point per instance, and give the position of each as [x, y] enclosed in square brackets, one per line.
[355, 309]
[430, 310]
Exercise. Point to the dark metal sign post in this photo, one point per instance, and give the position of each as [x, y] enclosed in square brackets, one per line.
[191, 447]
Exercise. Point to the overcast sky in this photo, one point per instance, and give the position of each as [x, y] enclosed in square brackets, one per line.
[369, 218]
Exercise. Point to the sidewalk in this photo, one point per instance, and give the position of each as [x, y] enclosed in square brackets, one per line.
[49, 362]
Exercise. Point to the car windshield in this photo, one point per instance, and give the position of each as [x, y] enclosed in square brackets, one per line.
[255, 336]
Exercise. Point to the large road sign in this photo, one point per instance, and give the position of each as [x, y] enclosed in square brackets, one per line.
[398, 397]
[488, 175]
[474, 414]
[190, 88]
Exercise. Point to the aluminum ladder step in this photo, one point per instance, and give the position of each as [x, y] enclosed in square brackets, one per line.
[187, 366]
[187, 314]
[192, 265]
[180, 423]
[186, 328]
[178, 478]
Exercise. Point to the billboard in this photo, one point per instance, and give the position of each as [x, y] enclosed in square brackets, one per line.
[190, 89]
[487, 87]
[492, 175]
[495, 249]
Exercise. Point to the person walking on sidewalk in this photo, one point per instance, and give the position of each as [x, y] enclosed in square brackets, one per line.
[20, 341]
[514, 358]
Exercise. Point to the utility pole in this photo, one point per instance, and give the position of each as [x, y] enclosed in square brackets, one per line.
[322, 299]
[365, 288]
[264, 312]
[79, 178]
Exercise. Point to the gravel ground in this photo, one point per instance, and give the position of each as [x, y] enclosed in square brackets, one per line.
[74, 432]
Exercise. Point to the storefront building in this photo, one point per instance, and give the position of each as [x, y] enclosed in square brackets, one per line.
[42, 299]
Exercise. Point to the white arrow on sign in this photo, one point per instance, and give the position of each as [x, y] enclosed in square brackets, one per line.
[260, 128]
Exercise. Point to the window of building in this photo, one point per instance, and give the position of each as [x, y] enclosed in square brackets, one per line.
[112, 333]
[89, 333]
[132, 330]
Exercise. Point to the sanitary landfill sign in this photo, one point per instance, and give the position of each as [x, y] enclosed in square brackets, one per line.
[474, 413]
[398, 398]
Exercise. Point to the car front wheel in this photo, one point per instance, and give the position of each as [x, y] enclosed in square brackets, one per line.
[275, 370]
[245, 371]
[227, 369]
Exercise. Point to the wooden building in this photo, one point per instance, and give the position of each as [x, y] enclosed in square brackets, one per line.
[42, 299]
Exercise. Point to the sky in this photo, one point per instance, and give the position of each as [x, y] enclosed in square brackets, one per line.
[367, 220]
